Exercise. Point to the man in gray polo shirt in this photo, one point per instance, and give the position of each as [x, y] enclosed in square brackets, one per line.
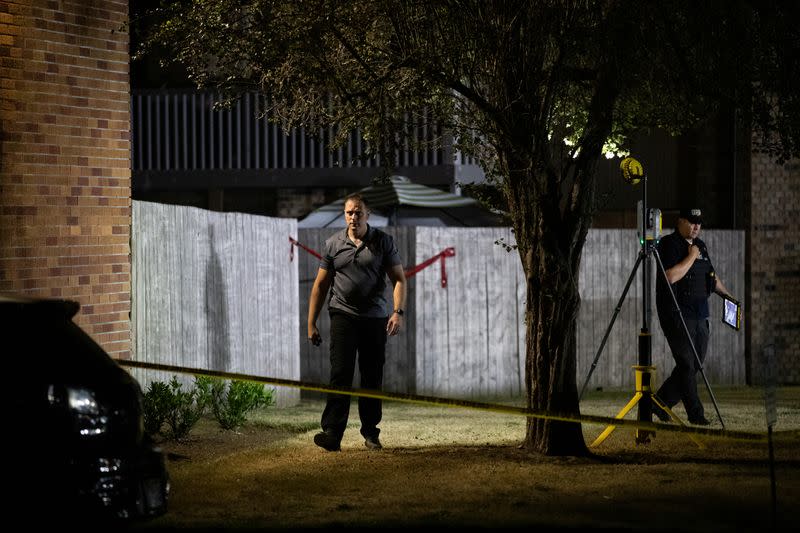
[354, 267]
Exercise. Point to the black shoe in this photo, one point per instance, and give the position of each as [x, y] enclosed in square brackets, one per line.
[700, 421]
[373, 443]
[327, 441]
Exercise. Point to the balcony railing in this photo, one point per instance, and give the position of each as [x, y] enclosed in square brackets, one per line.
[181, 131]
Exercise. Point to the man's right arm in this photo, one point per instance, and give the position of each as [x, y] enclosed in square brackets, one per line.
[318, 293]
[677, 272]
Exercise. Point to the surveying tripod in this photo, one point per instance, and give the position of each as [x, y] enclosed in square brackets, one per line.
[644, 396]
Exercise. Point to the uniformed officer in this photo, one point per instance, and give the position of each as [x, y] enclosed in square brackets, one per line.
[692, 277]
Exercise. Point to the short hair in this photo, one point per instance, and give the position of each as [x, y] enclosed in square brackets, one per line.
[356, 197]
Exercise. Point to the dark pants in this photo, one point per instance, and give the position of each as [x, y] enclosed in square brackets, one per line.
[681, 385]
[367, 337]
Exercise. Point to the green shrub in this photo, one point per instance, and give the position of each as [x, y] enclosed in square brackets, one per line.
[170, 405]
[231, 404]
[187, 409]
[172, 412]
[156, 407]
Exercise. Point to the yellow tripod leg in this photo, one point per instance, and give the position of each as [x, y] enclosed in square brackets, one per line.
[604, 435]
[673, 416]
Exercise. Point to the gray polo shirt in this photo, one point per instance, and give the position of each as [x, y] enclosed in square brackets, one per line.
[359, 273]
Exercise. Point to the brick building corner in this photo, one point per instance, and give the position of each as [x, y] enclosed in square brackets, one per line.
[65, 207]
[773, 235]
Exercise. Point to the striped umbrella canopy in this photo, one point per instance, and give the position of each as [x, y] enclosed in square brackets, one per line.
[421, 205]
[402, 191]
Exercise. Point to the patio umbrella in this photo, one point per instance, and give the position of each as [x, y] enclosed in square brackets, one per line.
[400, 202]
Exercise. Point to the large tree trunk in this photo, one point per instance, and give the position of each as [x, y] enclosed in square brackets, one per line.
[550, 230]
[550, 192]
[551, 311]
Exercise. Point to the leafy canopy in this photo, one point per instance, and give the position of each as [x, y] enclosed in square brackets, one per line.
[495, 72]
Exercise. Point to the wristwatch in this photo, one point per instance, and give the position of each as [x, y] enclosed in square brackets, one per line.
[399, 312]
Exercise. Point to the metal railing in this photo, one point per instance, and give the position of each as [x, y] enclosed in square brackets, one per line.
[180, 130]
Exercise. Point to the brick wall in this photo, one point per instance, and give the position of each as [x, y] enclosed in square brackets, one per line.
[65, 159]
[774, 255]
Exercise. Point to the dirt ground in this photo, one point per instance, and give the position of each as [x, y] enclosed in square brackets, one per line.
[453, 467]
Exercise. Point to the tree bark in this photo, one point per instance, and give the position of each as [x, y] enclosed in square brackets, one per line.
[550, 240]
[551, 199]
[551, 311]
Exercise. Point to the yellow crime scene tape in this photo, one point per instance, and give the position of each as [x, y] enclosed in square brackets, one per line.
[447, 402]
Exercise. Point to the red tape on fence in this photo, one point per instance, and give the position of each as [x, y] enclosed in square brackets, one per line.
[447, 252]
[304, 247]
[412, 271]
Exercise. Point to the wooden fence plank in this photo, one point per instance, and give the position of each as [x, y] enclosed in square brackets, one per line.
[400, 360]
[207, 298]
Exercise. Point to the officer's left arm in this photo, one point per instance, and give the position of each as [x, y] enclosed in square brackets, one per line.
[398, 277]
[720, 288]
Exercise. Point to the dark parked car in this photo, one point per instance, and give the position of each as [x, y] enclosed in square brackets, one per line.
[77, 448]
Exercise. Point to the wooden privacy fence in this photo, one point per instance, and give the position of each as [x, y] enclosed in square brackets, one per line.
[214, 291]
[221, 291]
[468, 335]
[467, 340]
